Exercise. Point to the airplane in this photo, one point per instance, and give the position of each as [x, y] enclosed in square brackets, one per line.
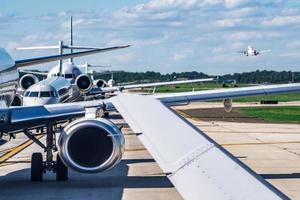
[253, 52]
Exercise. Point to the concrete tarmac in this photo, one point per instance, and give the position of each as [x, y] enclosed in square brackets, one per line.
[272, 150]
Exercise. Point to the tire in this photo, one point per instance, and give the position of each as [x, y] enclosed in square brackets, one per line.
[61, 170]
[37, 168]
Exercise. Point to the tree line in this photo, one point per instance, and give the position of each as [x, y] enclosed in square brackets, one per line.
[255, 77]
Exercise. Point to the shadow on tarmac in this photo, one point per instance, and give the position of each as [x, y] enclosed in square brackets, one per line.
[281, 176]
[106, 185]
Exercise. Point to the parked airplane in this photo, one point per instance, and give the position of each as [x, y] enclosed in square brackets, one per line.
[253, 52]
[59, 90]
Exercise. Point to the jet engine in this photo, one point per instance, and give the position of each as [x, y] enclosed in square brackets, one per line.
[100, 83]
[91, 145]
[227, 105]
[28, 80]
[84, 83]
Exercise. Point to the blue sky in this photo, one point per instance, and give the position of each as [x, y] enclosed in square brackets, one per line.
[166, 35]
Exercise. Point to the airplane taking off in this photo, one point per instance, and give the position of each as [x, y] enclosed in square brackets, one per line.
[253, 52]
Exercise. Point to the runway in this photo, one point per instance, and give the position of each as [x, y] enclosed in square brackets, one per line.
[272, 150]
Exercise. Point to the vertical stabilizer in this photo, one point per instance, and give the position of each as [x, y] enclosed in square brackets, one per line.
[71, 36]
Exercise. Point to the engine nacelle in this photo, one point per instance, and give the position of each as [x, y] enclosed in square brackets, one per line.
[28, 80]
[91, 145]
[100, 83]
[84, 83]
[227, 105]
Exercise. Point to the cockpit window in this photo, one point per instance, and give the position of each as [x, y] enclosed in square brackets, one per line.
[68, 75]
[26, 94]
[45, 94]
[34, 94]
[53, 94]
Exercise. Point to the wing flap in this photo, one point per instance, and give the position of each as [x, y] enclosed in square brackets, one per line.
[197, 166]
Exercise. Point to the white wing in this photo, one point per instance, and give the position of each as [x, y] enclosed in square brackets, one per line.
[147, 85]
[186, 97]
[197, 166]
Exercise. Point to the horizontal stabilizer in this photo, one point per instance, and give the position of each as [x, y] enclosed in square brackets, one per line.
[41, 60]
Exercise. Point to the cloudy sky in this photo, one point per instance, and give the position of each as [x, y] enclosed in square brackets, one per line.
[166, 35]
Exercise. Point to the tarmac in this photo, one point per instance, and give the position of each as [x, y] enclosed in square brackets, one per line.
[271, 150]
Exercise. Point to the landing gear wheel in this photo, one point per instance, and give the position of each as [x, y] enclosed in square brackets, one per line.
[61, 170]
[37, 168]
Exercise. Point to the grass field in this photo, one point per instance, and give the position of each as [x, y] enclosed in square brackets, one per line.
[274, 114]
[210, 86]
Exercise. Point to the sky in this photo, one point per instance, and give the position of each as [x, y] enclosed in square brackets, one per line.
[165, 35]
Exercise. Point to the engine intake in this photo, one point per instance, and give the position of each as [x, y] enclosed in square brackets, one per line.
[28, 80]
[91, 145]
[84, 83]
[101, 83]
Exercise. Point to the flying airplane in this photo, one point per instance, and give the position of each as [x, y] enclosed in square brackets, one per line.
[253, 52]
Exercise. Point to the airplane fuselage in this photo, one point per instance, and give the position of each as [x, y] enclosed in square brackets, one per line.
[49, 91]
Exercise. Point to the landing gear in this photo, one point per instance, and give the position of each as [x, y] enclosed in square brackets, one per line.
[38, 166]
[61, 170]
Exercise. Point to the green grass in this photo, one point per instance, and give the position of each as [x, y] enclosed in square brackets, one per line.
[275, 97]
[189, 87]
[284, 114]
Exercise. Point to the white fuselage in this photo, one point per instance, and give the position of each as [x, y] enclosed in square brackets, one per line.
[251, 51]
[49, 91]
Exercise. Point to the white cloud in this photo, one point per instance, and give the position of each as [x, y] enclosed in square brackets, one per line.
[281, 21]
[182, 55]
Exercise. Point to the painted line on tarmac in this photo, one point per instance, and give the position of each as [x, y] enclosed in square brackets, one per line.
[17, 149]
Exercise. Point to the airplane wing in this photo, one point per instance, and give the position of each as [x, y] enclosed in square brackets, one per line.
[198, 167]
[147, 85]
[244, 52]
[104, 90]
[186, 97]
[264, 51]
[41, 60]
[33, 72]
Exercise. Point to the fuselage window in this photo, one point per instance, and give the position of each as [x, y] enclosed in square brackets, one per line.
[34, 94]
[45, 94]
